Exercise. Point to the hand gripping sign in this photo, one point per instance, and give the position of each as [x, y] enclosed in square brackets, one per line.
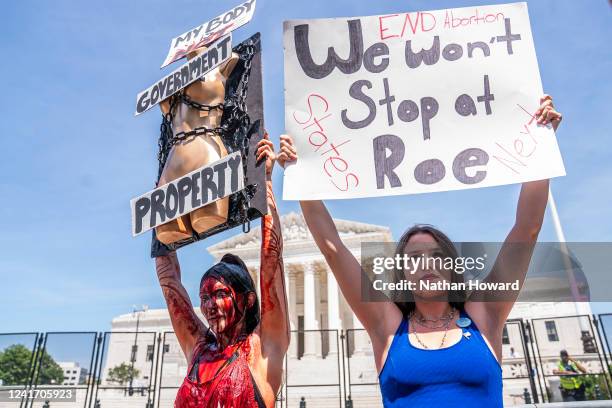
[414, 102]
[208, 178]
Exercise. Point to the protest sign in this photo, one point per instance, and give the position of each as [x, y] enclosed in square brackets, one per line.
[178, 79]
[187, 193]
[414, 102]
[249, 203]
[209, 31]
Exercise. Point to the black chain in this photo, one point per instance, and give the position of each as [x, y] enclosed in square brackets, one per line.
[186, 99]
[240, 115]
[166, 137]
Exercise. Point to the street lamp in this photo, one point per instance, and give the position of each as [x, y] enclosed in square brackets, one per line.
[135, 312]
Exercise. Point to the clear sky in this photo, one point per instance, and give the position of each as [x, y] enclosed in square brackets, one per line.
[74, 155]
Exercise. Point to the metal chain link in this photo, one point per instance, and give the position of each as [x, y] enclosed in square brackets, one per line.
[165, 142]
[186, 99]
[240, 115]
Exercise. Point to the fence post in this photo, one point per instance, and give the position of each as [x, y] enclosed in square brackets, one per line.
[156, 392]
[32, 367]
[540, 366]
[343, 358]
[600, 329]
[593, 322]
[525, 340]
[92, 375]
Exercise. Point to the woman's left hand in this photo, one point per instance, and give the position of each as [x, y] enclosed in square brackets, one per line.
[265, 150]
[546, 113]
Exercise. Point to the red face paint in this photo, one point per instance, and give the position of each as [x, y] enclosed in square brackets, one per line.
[218, 305]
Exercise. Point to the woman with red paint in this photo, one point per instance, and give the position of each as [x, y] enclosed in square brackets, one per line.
[236, 360]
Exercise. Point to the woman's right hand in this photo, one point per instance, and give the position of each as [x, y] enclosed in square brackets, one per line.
[288, 153]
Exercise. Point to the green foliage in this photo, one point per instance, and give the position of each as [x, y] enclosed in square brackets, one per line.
[15, 367]
[596, 387]
[50, 372]
[122, 373]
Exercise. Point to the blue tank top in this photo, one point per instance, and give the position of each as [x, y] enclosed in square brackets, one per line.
[465, 374]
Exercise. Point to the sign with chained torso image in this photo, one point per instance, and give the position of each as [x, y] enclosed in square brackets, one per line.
[414, 102]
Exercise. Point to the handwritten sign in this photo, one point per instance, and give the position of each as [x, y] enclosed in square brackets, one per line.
[178, 79]
[414, 102]
[209, 31]
[187, 193]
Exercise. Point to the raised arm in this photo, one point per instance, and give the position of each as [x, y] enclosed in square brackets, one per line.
[377, 317]
[186, 324]
[514, 257]
[579, 366]
[274, 327]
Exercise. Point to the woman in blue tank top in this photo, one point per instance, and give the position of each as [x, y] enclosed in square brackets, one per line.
[433, 348]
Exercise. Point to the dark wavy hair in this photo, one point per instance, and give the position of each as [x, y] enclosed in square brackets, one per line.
[232, 271]
[457, 298]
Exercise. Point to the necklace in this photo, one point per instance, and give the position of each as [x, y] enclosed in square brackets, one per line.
[446, 325]
[448, 316]
[433, 326]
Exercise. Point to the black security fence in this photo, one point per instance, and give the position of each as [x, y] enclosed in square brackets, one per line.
[323, 368]
[518, 368]
[125, 368]
[19, 354]
[578, 336]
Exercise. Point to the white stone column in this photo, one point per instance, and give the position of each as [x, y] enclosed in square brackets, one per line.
[333, 312]
[291, 303]
[310, 318]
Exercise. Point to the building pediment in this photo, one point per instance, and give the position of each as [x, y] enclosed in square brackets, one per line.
[295, 232]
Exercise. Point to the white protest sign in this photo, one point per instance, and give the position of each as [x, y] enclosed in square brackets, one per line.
[209, 31]
[187, 193]
[178, 79]
[414, 102]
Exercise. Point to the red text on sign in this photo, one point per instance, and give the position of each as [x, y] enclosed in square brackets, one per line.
[334, 165]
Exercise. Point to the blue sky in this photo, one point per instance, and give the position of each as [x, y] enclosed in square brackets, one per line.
[74, 155]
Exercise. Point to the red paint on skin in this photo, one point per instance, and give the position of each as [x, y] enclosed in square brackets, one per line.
[179, 306]
[218, 305]
[272, 247]
[232, 385]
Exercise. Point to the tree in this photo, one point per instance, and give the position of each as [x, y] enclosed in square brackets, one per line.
[49, 372]
[15, 367]
[122, 373]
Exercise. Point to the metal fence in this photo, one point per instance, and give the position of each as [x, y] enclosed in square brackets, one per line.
[145, 369]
